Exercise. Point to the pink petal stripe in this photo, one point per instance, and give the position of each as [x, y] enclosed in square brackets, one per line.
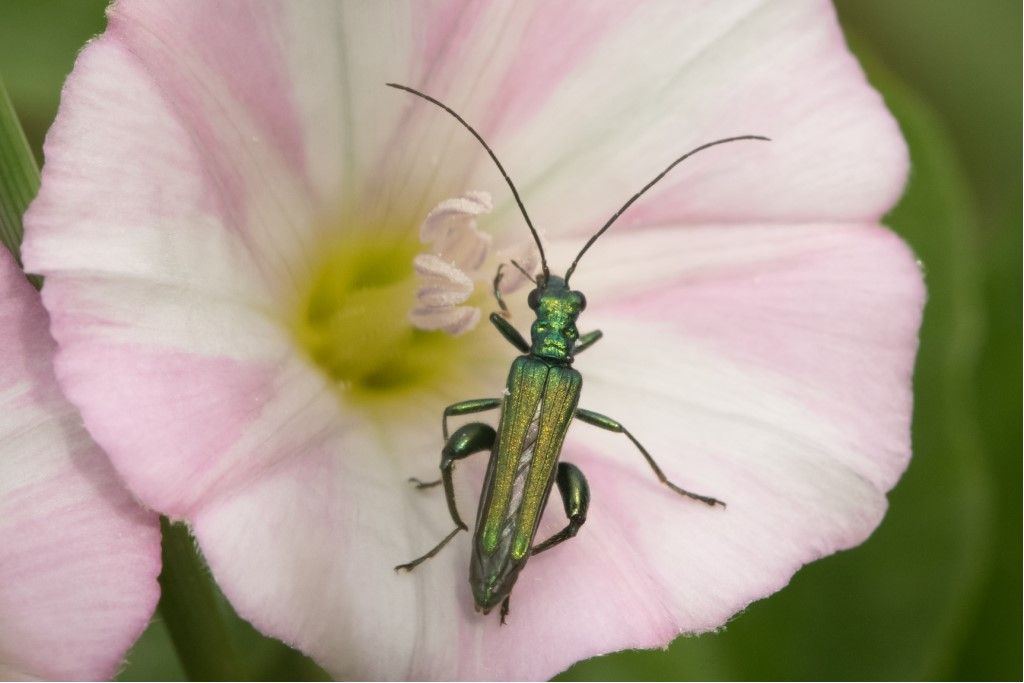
[227, 58]
[671, 76]
[835, 310]
[579, 28]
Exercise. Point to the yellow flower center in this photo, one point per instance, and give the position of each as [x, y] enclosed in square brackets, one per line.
[352, 320]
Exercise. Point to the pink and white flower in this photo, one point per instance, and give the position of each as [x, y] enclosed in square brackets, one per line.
[78, 556]
[228, 224]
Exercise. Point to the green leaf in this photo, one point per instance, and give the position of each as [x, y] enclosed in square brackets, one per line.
[898, 606]
[19, 176]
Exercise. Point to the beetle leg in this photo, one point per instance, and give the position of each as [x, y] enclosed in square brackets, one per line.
[409, 566]
[510, 333]
[420, 484]
[599, 420]
[475, 405]
[504, 609]
[497, 293]
[467, 440]
[496, 288]
[575, 499]
[587, 340]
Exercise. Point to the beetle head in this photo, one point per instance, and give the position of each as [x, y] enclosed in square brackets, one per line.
[554, 332]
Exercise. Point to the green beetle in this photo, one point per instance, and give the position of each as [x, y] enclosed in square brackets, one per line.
[541, 399]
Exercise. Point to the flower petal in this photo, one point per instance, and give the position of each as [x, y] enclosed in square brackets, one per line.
[665, 77]
[834, 309]
[78, 557]
[773, 374]
[154, 207]
[149, 274]
[289, 99]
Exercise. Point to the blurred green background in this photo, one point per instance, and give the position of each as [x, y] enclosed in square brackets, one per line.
[936, 592]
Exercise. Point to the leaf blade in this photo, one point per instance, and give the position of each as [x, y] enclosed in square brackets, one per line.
[19, 176]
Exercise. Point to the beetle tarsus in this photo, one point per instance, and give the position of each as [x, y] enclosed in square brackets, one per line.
[409, 566]
[420, 484]
[707, 500]
[505, 313]
[504, 610]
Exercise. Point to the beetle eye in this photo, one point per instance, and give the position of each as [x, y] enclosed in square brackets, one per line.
[534, 299]
[582, 300]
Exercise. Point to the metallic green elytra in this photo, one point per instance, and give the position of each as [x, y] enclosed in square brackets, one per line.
[541, 399]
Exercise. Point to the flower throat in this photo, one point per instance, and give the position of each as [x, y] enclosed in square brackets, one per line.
[352, 318]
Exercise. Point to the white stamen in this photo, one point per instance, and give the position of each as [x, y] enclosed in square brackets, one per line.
[453, 320]
[458, 254]
[451, 227]
[442, 283]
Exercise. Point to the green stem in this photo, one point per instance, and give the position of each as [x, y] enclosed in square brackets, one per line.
[190, 609]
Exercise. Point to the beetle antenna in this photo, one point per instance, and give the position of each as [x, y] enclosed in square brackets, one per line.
[494, 158]
[646, 187]
[523, 271]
